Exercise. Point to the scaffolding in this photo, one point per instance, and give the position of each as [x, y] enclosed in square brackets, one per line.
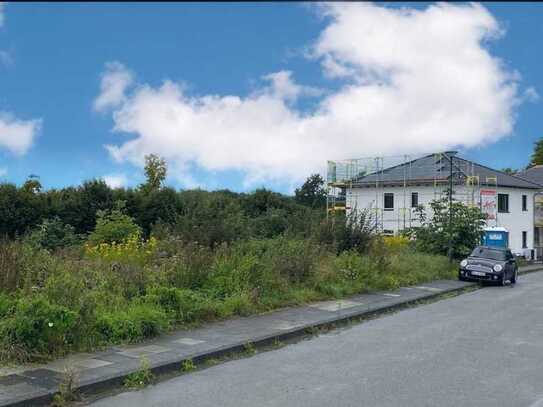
[392, 188]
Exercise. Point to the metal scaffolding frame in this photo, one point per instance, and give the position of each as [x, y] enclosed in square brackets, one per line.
[410, 172]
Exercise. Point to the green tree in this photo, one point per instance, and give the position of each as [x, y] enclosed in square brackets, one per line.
[312, 193]
[52, 234]
[537, 155]
[509, 171]
[432, 236]
[158, 206]
[114, 226]
[155, 171]
[32, 184]
[20, 210]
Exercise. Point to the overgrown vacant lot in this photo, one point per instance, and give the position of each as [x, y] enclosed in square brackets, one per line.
[99, 293]
[89, 266]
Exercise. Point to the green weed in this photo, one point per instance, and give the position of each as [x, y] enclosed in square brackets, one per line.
[187, 366]
[140, 378]
[249, 349]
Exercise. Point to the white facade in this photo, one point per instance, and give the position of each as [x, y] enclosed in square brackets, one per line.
[518, 222]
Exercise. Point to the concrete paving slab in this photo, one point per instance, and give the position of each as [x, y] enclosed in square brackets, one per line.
[18, 392]
[60, 365]
[11, 379]
[44, 378]
[335, 305]
[188, 341]
[92, 363]
[426, 288]
[143, 351]
[284, 325]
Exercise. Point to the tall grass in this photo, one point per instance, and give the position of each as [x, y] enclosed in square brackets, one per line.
[81, 299]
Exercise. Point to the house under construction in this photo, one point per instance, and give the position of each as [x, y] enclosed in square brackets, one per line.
[392, 188]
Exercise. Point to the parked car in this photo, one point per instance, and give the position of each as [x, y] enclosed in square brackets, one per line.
[487, 263]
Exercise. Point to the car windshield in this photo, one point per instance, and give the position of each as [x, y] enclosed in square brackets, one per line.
[487, 253]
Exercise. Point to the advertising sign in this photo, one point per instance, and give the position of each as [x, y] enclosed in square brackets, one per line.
[489, 204]
[538, 211]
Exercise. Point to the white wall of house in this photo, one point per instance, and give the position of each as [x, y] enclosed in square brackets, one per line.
[402, 215]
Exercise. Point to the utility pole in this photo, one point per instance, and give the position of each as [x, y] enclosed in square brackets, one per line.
[450, 253]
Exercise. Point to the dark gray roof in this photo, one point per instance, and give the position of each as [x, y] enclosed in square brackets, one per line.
[436, 167]
[533, 174]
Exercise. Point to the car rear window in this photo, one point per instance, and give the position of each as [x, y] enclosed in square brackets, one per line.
[487, 253]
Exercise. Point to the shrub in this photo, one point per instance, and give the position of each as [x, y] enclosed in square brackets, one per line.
[185, 264]
[395, 244]
[52, 234]
[352, 266]
[233, 272]
[113, 226]
[39, 326]
[138, 321]
[185, 305]
[239, 304]
[211, 218]
[7, 305]
[433, 234]
[23, 266]
[130, 250]
[293, 259]
[352, 232]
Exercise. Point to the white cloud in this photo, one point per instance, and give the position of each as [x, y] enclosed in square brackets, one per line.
[116, 180]
[3, 171]
[115, 80]
[283, 87]
[17, 135]
[414, 81]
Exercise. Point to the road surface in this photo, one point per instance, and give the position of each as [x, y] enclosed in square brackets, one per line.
[484, 348]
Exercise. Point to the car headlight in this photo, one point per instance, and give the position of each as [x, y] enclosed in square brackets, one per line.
[497, 267]
[463, 263]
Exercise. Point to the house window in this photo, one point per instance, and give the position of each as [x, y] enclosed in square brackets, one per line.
[524, 240]
[503, 203]
[414, 199]
[524, 203]
[389, 201]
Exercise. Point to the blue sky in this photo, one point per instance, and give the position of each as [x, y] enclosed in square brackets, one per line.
[55, 56]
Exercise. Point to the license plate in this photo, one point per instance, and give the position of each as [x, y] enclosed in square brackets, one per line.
[478, 273]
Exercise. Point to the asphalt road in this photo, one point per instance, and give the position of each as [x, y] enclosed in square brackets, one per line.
[484, 348]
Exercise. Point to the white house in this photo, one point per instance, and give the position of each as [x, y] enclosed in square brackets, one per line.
[392, 195]
[535, 174]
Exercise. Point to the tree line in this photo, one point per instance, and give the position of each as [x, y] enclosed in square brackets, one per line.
[214, 216]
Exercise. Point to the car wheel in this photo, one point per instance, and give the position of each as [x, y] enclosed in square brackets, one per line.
[514, 277]
[503, 280]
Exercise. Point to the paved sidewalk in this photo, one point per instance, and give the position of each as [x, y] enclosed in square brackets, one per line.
[35, 385]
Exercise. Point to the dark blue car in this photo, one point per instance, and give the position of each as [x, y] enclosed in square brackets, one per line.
[488, 263]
